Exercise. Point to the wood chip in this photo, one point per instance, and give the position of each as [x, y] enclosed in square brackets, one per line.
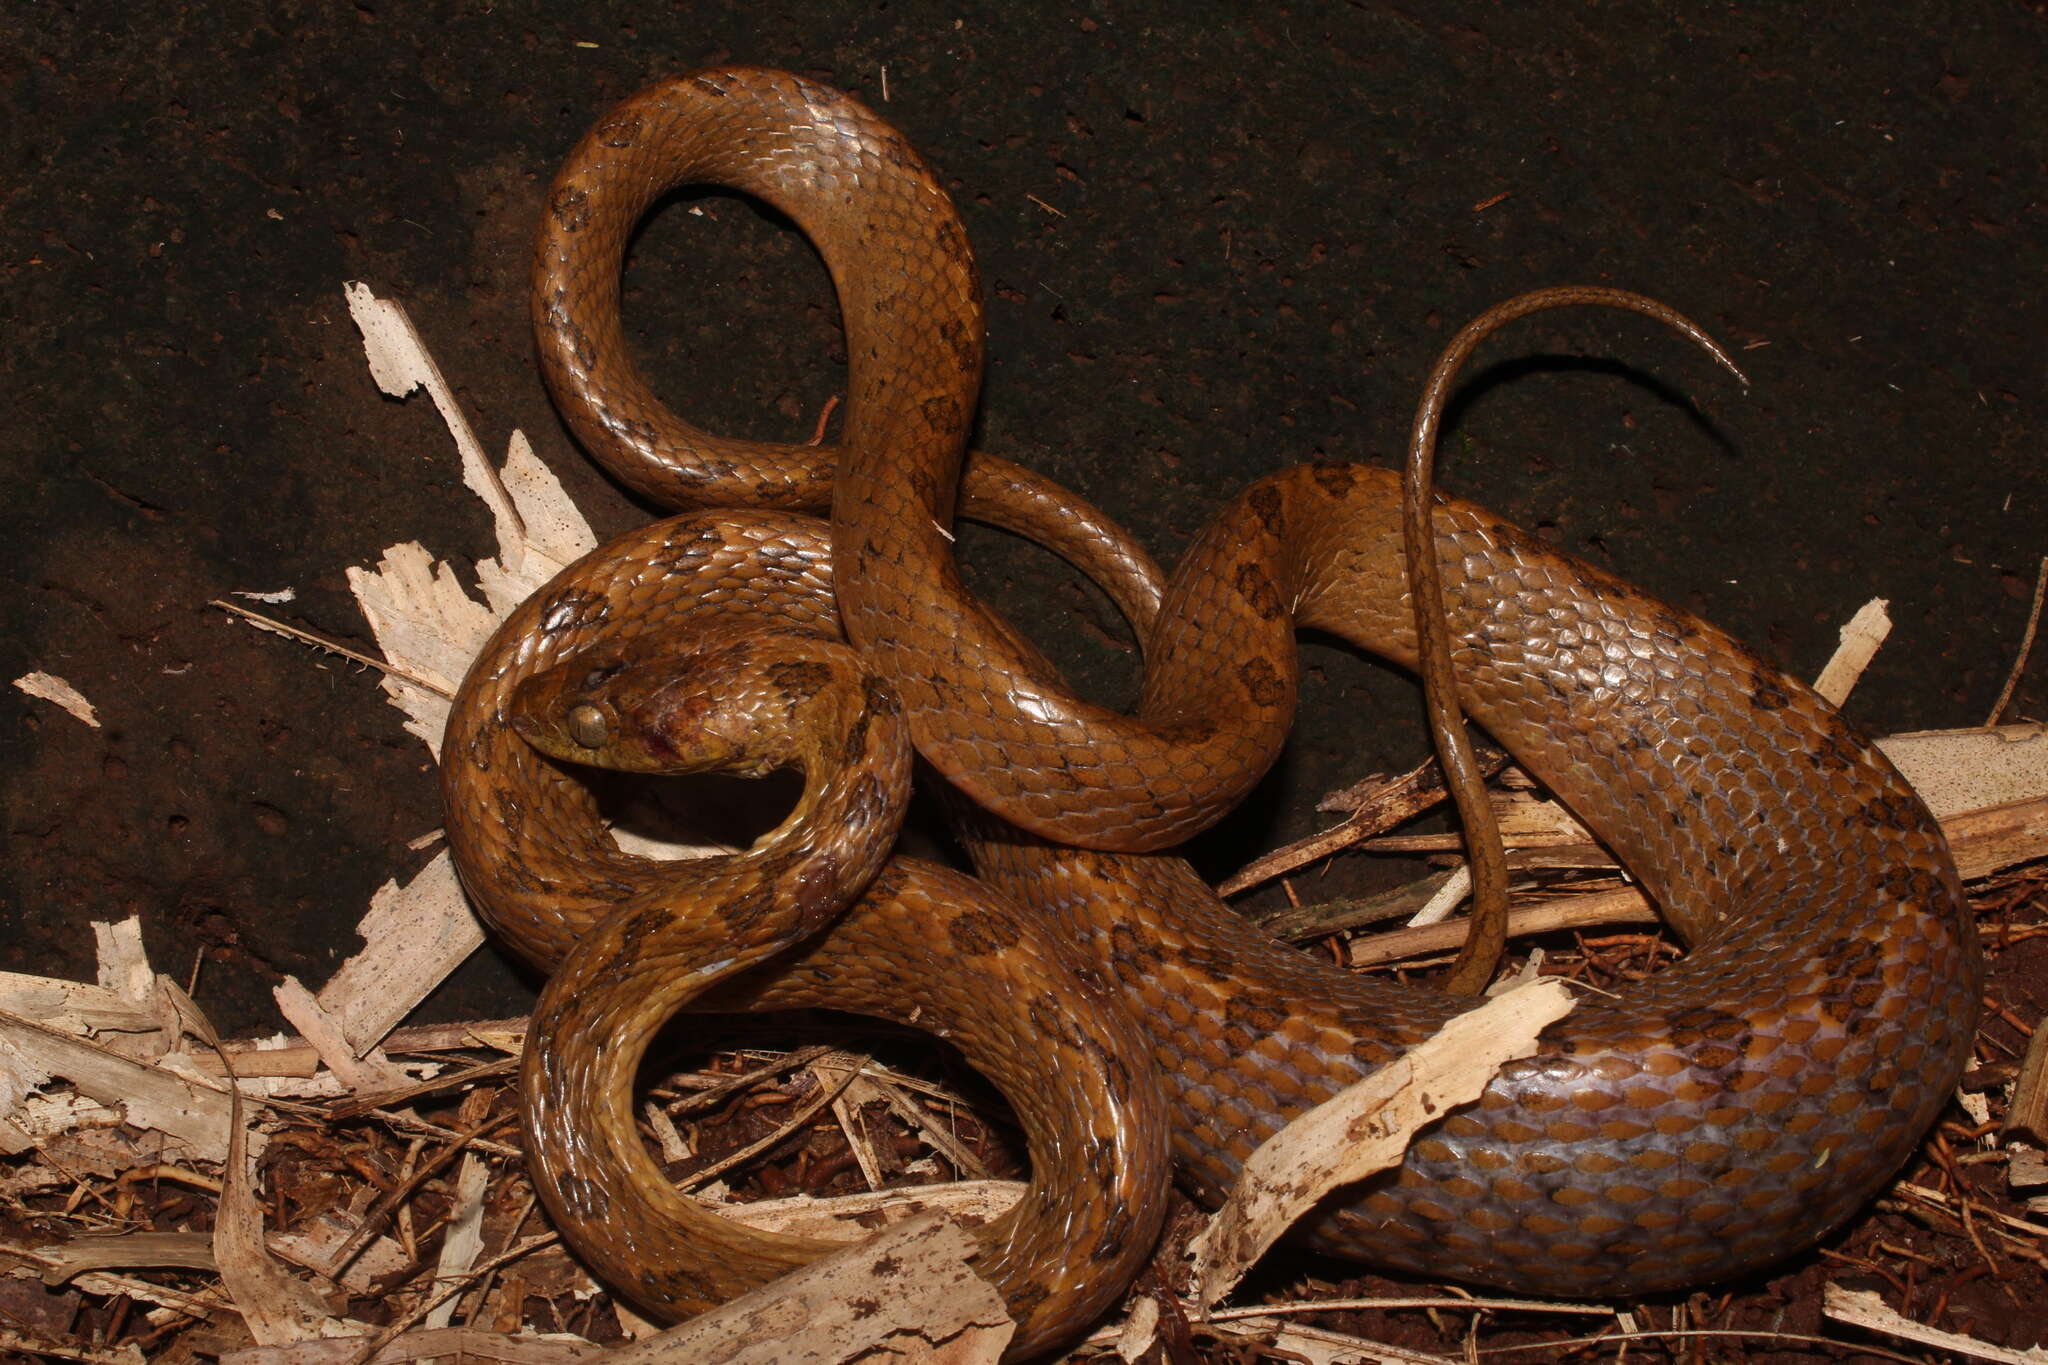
[1375, 805]
[78, 1007]
[123, 964]
[414, 936]
[463, 1241]
[317, 1247]
[1983, 842]
[867, 1086]
[451, 1343]
[846, 1108]
[277, 1306]
[2026, 1118]
[1988, 841]
[852, 1217]
[1445, 898]
[907, 1295]
[126, 1251]
[288, 1055]
[1964, 770]
[425, 623]
[50, 688]
[1140, 1331]
[194, 1114]
[11, 1340]
[1860, 641]
[1366, 1128]
[371, 1070]
[1321, 1346]
[1627, 906]
[1864, 1308]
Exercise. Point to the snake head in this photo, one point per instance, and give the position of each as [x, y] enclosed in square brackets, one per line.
[573, 711]
[661, 704]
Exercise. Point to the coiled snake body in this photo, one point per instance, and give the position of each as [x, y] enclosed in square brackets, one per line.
[1725, 1112]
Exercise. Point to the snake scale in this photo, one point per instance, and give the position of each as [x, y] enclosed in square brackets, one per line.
[1723, 1113]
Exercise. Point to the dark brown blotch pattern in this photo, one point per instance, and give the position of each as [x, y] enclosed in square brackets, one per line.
[1255, 586]
[1262, 683]
[571, 208]
[978, 933]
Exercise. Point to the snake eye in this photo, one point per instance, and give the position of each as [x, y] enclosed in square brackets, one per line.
[587, 726]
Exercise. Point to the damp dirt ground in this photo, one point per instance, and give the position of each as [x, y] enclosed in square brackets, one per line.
[1215, 239]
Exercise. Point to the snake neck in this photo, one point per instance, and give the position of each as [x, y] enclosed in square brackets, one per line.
[745, 701]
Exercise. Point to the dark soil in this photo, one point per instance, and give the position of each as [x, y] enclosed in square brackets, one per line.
[1216, 239]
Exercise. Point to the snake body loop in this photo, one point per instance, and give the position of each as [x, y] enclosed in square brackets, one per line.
[1718, 1116]
[702, 644]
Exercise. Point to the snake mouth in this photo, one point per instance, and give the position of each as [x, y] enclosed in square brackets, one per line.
[585, 725]
[525, 726]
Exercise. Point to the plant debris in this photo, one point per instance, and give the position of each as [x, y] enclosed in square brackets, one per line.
[354, 1191]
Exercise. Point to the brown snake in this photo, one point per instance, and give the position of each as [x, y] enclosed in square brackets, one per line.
[746, 693]
[1720, 1115]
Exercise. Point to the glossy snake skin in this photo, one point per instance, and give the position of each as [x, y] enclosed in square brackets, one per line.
[1724, 1113]
[701, 642]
